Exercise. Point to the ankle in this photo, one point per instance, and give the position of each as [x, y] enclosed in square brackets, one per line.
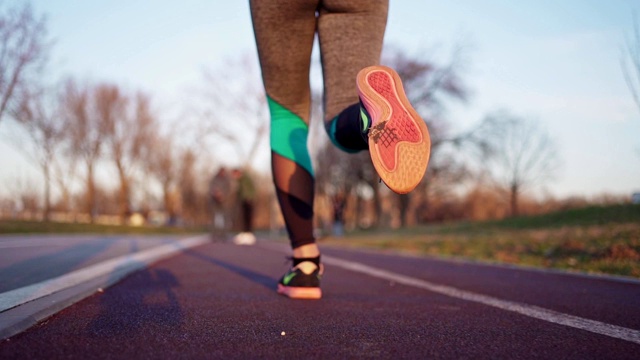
[306, 258]
[307, 267]
[306, 251]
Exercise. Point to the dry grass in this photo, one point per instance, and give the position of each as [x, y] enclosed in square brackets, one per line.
[599, 240]
[39, 227]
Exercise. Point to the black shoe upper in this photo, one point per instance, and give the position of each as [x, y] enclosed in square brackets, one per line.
[296, 278]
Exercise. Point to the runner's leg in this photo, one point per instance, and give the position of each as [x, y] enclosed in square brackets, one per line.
[284, 32]
[351, 35]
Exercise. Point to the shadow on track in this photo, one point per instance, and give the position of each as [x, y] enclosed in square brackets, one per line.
[251, 275]
[152, 303]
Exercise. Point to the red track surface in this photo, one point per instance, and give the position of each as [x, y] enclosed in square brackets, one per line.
[219, 301]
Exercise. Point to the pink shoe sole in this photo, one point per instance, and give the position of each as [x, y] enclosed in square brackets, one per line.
[399, 142]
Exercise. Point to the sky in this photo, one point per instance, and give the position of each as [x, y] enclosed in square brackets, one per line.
[554, 61]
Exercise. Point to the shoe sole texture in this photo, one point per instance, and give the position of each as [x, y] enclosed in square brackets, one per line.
[300, 292]
[399, 142]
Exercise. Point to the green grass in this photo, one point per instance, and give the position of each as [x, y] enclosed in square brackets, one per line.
[599, 239]
[30, 227]
[589, 216]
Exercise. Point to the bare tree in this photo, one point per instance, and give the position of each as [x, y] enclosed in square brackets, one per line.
[23, 198]
[161, 163]
[193, 197]
[85, 132]
[630, 62]
[42, 121]
[64, 170]
[428, 83]
[111, 113]
[340, 172]
[146, 125]
[128, 127]
[23, 50]
[524, 155]
[236, 113]
[430, 87]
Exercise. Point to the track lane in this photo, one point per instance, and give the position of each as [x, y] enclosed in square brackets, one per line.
[218, 300]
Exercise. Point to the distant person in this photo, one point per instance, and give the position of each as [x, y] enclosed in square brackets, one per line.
[220, 189]
[339, 202]
[245, 197]
[364, 108]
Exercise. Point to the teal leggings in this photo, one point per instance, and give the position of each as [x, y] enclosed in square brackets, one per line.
[350, 34]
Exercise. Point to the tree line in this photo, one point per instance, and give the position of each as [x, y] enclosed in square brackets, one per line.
[79, 130]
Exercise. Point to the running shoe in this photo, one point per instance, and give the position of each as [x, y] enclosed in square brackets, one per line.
[398, 138]
[298, 285]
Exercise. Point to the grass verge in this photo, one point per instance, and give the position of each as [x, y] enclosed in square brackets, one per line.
[30, 227]
[596, 239]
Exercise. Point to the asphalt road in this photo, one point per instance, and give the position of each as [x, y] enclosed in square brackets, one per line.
[219, 301]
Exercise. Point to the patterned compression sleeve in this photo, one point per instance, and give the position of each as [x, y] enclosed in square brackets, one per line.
[289, 135]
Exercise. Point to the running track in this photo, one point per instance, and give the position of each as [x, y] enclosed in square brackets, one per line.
[197, 299]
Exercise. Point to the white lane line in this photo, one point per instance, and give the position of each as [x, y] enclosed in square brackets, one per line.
[555, 317]
[116, 267]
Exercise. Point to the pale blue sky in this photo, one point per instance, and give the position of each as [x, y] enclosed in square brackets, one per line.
[557, 61]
